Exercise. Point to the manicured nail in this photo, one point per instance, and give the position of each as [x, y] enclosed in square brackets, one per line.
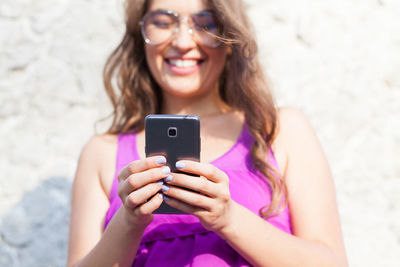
[164, 188]
[161, 160]
[166, 170]
[169, 178]
[180, 165]
[161, 182]
[165, 197]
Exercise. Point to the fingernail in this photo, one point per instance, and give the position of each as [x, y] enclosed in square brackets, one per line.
[161, 196]
[165, 197]
[180, 165]
[161, 160]
[169, 178]
[164, 188]
[166, 170]
[161, 182]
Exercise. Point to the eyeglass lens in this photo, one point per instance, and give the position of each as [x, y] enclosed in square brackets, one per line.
[159, 26]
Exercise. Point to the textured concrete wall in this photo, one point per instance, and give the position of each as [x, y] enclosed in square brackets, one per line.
[338, 60]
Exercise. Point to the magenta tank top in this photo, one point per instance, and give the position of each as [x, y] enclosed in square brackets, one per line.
[181, 240]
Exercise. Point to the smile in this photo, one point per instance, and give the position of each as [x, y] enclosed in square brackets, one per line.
[182, 63]
[183, 66]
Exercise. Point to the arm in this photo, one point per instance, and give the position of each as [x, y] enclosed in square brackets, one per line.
[88, 246]
[317, 239]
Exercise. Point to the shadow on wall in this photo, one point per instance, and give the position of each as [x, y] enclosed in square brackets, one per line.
[35, 231]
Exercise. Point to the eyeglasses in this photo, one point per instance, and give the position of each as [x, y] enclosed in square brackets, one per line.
[162, 25]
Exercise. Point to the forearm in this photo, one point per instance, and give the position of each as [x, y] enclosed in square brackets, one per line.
[117, 246]
[262, 244]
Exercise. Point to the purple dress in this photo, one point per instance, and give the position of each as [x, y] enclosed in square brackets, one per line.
[180, 240]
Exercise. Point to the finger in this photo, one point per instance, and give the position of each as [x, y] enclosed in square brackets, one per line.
[177, 204]
[141, 165]
[188, 197]
[141, 195]
[198, 184]
[207, 170]
[150, 206]
[138, 180]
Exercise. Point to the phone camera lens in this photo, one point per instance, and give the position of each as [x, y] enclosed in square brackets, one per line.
[172, 131]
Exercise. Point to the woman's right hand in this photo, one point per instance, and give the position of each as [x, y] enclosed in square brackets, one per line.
[139, 186]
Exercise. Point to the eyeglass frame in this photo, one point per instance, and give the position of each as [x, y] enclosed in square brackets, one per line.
[178, 19]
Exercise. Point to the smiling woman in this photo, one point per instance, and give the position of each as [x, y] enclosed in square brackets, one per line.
[259, 199]
[189, 63]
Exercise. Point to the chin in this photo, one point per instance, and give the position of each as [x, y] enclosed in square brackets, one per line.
[183, 89]
[184, 92]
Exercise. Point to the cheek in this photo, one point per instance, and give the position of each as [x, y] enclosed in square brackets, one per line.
[153, 61]
[219, 61]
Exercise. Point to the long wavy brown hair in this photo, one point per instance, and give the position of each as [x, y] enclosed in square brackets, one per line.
[134, 93]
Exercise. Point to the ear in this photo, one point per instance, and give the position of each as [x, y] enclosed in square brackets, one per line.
[228, 50]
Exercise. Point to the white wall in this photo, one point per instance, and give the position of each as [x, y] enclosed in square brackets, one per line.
[337, 60]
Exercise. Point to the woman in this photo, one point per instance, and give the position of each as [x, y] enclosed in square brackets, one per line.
[265, 196]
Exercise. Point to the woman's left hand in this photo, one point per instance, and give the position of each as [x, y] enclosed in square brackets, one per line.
[210, 199]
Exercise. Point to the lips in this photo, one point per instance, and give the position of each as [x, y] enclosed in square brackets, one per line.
[183, 66]
[183, 63]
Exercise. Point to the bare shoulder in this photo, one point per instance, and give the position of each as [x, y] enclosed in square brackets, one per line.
[98, 143]
[293, 121]
[98, 156]
[294, 129]
[99, 148]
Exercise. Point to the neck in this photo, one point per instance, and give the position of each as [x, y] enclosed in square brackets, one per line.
[202, 106]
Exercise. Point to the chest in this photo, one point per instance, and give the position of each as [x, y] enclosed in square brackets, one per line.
[213, 146]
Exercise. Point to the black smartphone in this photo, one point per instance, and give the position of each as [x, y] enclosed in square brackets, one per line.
[176, 137]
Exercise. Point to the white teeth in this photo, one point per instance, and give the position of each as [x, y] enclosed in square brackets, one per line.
[185, 63]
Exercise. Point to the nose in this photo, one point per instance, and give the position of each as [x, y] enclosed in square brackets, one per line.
[184, 39]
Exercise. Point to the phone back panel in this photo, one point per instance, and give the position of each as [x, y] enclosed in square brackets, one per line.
[176, 137]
